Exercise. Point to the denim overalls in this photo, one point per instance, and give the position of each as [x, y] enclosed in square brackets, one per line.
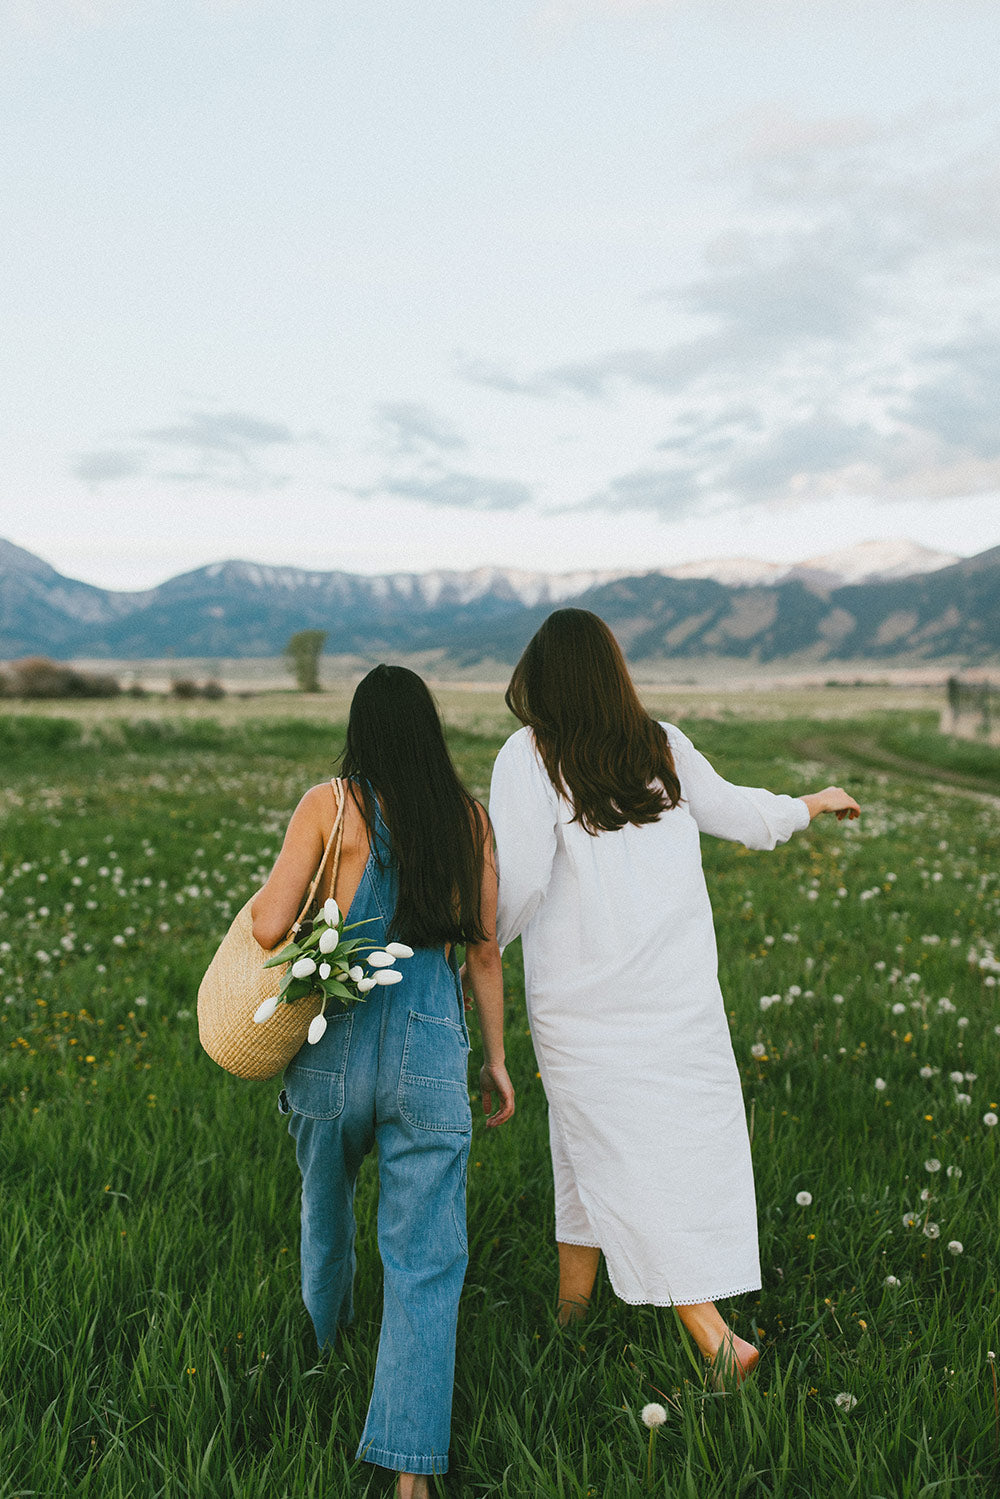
[390, 1071]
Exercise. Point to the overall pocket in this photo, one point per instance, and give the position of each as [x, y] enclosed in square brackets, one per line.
[433, 1079]
[315, 1088]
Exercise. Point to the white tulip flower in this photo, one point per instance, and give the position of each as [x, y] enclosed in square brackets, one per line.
[356, 973]
[329, 940]
[331, 912]
[388, 976]
[364, 984]
[380, 959]
[324, 971]
[265, 1011]
[317, 1029]
[303, 968]
[399, 949]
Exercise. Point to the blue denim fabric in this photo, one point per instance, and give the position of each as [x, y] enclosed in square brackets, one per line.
[391, 1071]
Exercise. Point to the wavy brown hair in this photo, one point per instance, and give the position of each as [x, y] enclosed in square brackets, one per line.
[600, 747]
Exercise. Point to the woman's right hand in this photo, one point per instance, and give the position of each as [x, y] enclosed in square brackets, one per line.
[494, 1079]
[833, 799]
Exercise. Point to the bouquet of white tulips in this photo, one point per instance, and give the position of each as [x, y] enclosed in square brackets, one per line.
[324, 960]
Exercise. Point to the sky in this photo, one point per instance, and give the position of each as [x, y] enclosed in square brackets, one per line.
[552, 284]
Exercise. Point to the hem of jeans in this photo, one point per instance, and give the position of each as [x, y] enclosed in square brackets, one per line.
[402, 1462]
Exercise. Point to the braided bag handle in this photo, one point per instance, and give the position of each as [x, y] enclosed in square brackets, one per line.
[336, 838]
[236, 983]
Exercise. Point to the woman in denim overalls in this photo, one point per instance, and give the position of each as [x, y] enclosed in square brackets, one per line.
[390, 1070]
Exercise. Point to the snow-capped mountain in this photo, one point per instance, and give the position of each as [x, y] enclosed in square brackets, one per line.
[875, 600]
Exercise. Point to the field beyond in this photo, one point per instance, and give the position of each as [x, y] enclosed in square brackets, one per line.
[153, 1339]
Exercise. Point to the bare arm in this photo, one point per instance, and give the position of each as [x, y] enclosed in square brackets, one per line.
[833, 799]
[280, 900]
[484, 976]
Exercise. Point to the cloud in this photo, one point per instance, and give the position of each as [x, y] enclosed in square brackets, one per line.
[224, 450]
[812, 373]
[222, 432]
[671, 493]
[411, 428]
[108, 464]
[454, 490]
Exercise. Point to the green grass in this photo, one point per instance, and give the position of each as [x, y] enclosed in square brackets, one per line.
[154, 1343]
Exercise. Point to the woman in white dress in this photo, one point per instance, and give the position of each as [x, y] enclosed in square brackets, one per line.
[597, 811]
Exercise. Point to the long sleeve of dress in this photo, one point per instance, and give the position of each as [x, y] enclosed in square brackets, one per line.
[524, 813]
[749, 815]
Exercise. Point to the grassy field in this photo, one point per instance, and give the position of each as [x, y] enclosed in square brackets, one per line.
[153, 1340]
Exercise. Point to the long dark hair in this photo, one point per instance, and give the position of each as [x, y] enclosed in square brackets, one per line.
[599, 745]
[396, 752]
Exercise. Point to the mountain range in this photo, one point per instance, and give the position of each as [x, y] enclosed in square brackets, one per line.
[880, 600]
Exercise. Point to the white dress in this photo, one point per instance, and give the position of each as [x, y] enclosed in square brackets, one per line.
[650, 1151]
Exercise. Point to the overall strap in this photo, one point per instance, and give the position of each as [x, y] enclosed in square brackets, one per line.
[335, 841]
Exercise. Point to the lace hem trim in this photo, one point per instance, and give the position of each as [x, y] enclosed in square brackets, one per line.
[684, 1300]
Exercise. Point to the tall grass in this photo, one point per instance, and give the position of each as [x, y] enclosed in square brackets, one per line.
[154, 1342]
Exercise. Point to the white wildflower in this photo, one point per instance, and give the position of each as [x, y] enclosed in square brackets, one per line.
[989, 1119]
[804, 1199]
[758, 1049]
[845, 1401]
[880, 1085]
[955, 1246]
[891, 1281]
[653, 1415]
[932, 1230]
[932, 1165]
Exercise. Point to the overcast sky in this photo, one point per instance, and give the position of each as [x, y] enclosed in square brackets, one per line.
[444, 283]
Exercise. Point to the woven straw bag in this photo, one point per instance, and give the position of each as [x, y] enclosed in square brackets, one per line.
[236, 983]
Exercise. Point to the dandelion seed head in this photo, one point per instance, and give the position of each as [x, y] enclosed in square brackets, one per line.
[989, 1119]
[932, 1165]
[955, 1246]
[653, 1415]
[804, 1199]
[845, 1401]
[891, 1281]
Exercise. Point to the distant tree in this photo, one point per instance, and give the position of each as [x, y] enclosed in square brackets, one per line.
[302, 653]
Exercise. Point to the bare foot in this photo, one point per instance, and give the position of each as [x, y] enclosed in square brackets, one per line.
[412, 1486]
[733, 1361]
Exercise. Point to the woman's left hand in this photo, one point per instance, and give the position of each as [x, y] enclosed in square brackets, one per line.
[494, 1079]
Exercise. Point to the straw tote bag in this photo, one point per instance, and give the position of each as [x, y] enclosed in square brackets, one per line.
[236, 983]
